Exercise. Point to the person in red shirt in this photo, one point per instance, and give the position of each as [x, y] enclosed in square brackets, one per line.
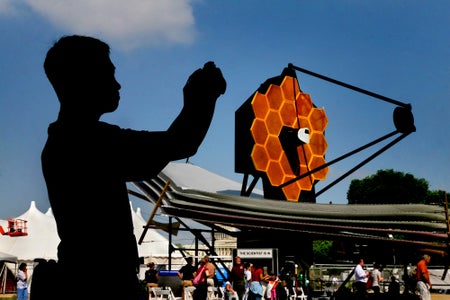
[256, 290]
[423, 278]
[237, 277]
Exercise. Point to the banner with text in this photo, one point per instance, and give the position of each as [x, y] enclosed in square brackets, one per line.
[255, 253]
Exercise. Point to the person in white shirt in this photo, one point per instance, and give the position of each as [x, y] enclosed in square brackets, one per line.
[361, 277]
[247, 277]
[230, 294]
[377, 278]
[22, 286]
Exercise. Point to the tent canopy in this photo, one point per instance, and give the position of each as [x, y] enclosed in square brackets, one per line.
[8, 257]
[197, 194]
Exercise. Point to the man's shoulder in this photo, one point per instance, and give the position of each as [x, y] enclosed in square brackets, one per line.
[108, 126]
[187, 268]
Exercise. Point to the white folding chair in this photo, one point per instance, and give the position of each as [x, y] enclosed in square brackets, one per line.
[301, 294]
[188, 290]
[222, 293]
[153, 293]
[158, 293]
[214, 294]
[172, 296]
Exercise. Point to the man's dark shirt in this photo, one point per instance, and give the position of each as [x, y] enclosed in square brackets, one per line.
[187, 271]
[150, 276]
[237, 272]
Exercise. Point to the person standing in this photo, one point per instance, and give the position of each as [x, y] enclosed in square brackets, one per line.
[394, 288]
[237, 277]
[87, 163]
[361, 277]
[248, 278]
[186, 272]
[256, 289]
[201, 288]
[22, 286]
[210, 276]
[211, 271]
[376, 278]
[423, 278]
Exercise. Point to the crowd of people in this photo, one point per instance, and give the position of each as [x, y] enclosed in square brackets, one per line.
[248, 281]
[418, 282]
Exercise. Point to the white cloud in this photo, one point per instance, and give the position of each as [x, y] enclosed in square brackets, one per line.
[7, 7]
[125, 23]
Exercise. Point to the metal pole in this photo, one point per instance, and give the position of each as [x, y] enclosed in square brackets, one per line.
[350, 86]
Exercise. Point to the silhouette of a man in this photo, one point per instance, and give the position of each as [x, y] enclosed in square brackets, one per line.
[86, 164]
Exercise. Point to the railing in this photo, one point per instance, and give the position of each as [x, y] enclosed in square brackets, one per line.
[329, 277]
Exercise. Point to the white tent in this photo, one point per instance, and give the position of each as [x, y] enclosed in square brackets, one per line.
[5, 257]
[154, 247]
[42, 239]
[6, 260]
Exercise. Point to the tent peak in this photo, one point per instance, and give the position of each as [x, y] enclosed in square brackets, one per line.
[49, 212]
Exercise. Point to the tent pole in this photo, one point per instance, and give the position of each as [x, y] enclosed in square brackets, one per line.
[448, 236]
[4, 272]
[170, 243]
[155, 208]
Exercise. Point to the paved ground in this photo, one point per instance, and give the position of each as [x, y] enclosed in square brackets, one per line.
[440, 297]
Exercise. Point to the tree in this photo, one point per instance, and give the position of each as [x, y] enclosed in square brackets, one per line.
[390, 187]
[322, 251]
[436, 197]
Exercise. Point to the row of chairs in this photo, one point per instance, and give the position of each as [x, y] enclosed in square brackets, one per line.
[166, 293]
[214, 293]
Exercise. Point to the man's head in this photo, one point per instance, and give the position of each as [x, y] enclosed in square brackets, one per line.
[82, 74]
[237, 260]
[22, 266]
[427, 258]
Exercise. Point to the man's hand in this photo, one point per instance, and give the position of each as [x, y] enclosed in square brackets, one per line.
[215, 74]
[207, 82]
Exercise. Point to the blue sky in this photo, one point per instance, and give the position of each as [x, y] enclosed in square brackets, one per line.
[399, 49]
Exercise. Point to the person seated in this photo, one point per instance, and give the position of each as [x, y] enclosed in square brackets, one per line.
[394, 287]
[151, 275]
[229, 292]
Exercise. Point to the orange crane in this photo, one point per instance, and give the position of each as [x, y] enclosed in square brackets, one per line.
[16, 227]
